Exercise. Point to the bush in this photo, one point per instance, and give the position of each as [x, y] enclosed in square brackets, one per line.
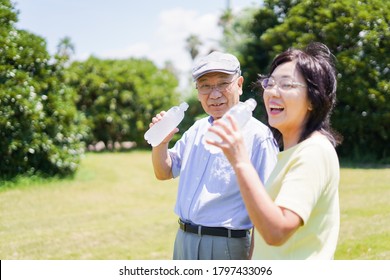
[41, 130]
[120, 97]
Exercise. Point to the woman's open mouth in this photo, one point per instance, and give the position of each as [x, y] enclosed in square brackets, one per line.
[275, 109]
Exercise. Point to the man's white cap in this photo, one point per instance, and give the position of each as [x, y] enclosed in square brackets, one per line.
[216, 62]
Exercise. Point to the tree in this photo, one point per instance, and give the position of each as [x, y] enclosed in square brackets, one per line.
[41, 130]
[65, 49]
[120, 97]
[357, 32]
[193, 44]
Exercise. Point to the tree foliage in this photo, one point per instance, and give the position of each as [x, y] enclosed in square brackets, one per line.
[358, 33]
[40, 128]
[120, 97]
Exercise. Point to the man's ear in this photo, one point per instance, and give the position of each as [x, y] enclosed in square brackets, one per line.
[241, 81]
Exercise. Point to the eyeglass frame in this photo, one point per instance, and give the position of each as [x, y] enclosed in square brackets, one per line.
[292, 85]
[225, 85]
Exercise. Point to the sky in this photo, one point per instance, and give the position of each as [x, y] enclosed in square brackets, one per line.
[119, 29]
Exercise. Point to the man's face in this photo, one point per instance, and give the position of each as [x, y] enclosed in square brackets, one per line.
[218, 92]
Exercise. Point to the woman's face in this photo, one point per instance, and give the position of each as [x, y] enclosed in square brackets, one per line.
[286, 101]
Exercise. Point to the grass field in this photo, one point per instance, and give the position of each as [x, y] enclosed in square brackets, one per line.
[115, 209]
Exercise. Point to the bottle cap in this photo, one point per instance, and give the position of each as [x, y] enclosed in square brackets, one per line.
[183, 106]
[251, 103]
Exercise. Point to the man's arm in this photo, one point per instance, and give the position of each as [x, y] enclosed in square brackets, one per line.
[162, 163]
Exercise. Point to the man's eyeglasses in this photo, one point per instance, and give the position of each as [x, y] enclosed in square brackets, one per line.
[221, 87]
[283, 84]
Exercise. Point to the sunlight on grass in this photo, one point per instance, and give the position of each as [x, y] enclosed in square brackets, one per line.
[114, 208]
[365, 219]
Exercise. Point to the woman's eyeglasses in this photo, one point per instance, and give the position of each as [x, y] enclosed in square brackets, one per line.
[283, 84]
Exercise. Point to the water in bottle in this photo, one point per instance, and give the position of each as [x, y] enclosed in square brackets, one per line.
[172, 118]
[241, 112]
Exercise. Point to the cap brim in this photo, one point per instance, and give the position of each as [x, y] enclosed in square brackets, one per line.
[196, 76]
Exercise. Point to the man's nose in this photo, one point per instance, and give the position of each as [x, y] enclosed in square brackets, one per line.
[215, 92]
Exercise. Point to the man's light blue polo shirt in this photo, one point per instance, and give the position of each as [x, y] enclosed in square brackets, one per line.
[208, 192]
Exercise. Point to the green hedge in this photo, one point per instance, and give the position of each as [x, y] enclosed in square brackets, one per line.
[41, 130]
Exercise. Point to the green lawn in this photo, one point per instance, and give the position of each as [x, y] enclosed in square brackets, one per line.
[365, 214]
[114, 208]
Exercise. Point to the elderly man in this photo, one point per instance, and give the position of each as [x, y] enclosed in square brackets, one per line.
[213, 221]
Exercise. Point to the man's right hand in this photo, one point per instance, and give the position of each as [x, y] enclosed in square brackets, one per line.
[169, 137]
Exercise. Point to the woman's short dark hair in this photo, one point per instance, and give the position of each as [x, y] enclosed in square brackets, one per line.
[316, 64]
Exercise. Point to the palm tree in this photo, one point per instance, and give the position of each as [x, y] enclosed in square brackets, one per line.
[193, 44]
[65, 48]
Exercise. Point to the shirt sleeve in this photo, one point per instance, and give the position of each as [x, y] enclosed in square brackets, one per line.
[177, 152]
[264, 158]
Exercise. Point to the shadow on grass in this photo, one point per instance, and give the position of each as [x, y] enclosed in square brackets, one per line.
[347, 163]
[21, 181]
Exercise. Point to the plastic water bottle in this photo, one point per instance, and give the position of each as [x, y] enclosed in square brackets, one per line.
[156, 134]
[242, 112]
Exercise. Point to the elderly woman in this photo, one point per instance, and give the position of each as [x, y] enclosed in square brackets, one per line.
[296, 213]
